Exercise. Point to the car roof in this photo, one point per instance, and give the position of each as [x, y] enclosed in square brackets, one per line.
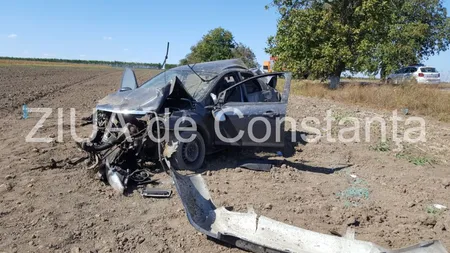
[417, 66]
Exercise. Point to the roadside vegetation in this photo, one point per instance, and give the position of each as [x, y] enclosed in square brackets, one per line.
[416, 98]
[444, 85]
[323, 39]
[416, 160]
[74, 62]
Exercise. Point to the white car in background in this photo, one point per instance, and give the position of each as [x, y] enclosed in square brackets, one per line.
[418, 73]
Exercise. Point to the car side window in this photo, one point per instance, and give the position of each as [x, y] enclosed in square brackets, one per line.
[226, 82]
[256, 83]
[233, 95]
[252, 89]
[245, 75]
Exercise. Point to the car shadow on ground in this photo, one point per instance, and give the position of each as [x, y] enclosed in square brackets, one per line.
[315, 169]
[235, 157]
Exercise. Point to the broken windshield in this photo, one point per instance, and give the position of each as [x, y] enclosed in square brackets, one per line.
[194, 83]
[196, 78]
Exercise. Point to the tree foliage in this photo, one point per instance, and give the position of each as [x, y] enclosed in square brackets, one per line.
[219, 44]
[246, 54]
[327, 37]
[417, 30]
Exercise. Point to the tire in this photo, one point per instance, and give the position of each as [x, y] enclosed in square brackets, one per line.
[389, 81]
[188, 155]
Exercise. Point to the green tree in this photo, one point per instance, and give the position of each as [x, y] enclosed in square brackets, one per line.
[417, 29]
[246, 54]
[327, 37]
[219, 44]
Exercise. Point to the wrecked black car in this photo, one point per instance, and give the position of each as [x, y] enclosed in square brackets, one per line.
[183, 114]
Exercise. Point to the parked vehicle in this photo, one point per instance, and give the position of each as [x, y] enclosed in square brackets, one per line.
[415, 73]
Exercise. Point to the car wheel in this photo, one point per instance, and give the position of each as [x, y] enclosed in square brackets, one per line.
[188, 155]
[389, 81]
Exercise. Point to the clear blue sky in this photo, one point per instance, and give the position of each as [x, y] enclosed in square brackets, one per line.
[137, 31]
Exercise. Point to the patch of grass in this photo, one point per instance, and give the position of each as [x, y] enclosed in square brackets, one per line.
[355, 194]
[417, 98]
[420, 161]
[338, 116]
[381, 147]
[416, 160]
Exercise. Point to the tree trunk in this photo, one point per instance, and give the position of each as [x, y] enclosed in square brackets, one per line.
[383, 73]
[335, 79]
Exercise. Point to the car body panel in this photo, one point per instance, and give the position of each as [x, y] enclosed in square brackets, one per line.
[257, 122]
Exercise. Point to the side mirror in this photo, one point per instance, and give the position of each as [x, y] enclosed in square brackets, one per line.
[129, 81]
[221, 97]
[214, 98]
[218, 115]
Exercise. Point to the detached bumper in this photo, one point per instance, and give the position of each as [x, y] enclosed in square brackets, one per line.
[256, 233]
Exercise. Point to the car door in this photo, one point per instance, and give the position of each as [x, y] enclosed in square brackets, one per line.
[410, 74]
[256, 120]
[398, 75]
[406, 74]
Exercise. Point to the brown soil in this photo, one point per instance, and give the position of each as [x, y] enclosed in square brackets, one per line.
[63, 208]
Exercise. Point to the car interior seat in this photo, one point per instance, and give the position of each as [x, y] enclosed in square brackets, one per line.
[252, 94]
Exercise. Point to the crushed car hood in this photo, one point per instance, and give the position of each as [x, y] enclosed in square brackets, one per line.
[142, 100]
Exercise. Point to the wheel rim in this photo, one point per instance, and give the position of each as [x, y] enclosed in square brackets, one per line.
[191, 151]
